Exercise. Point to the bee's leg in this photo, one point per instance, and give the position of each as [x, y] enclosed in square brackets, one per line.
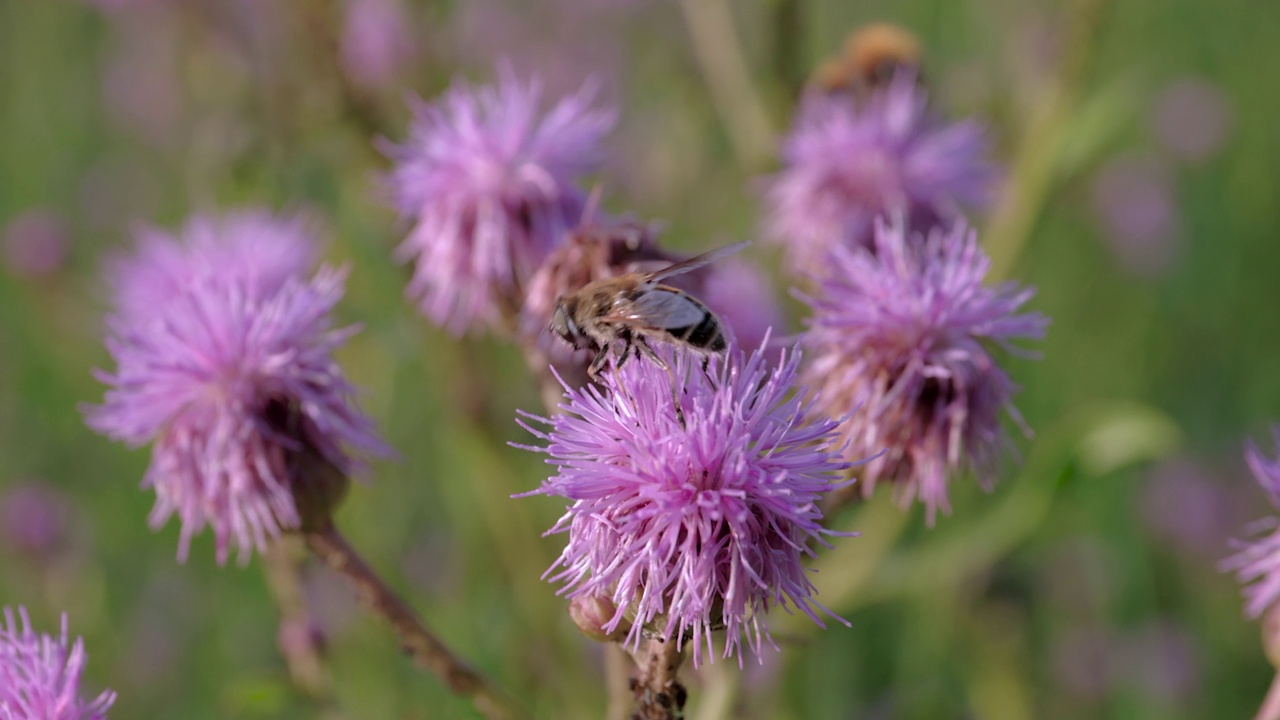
[593, 370]
[706, 364]
[643, 348]
[628, 347]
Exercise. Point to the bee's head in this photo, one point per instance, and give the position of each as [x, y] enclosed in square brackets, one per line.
[562, 324]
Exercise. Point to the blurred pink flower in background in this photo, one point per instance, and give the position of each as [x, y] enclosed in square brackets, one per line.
[489, 182]
[742, 294]
[846, 163]
[1084, 661]
[33, 518]
[1159, 657]
[223, 342]
[564, 41]
[1188, 507]
[124, 5]
[36, 243]
[1135, 201]
[1192, 118]
[378, 42]
[904, 337]
[142, 85]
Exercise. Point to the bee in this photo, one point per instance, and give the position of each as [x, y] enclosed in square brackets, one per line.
[871, 56]
[634, 308]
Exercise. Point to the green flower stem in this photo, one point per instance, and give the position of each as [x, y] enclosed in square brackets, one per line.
[426, 649]
[1035, 161]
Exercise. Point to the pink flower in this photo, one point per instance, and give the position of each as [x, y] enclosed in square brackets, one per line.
[693, 495]
[903, 338]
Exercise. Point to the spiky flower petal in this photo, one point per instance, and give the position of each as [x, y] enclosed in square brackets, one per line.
[1257, 563]
[40, 674]
[903, 339]
[489, 183]
[232, 378]
[844, 165]
[694, 495]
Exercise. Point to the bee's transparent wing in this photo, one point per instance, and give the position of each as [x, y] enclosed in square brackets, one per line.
[662, 308]
[696, 262]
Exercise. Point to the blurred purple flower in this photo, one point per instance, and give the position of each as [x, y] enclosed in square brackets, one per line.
[1191, 118]
[40, 674]
[1161, 659]
[1135, 200]
[377, 41]
[902, 339]
[490, 187]
[562, 41]
[843, 166]
[142, 82]
[255, 249]
[231, 375]
[742, 295]
[693, 516]
[1084, 662]
[35, 244]
[1188, 509]
[33, 519]
[1257, 564]
[124, 5]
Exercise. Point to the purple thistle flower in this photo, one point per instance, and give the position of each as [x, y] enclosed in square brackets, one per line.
[232, 377]
[1257, 564]
[489, 184]
[845, 165]
[902, 340]
[693, 517]
[40, 674]
[377, 42]
[253, 249]
[35, 244]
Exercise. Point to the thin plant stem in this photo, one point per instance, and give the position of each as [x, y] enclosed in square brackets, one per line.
[728, 77]
[658, 693]
[1032, 173]
[787, 20]
[302, 649]
[426, 649]
[617, 677]
[1270, 709]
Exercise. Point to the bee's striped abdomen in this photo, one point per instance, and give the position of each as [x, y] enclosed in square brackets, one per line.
[705, 334]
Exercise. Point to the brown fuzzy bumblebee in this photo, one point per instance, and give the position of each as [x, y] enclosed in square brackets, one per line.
[872, 55]
[635, 308]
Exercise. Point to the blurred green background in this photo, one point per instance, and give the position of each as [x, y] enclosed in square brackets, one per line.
[1143, 141]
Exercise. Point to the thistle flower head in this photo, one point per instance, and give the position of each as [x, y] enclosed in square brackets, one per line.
[693, 495]
[377, 42]
[903, 340]
[489, 183]
[40, 674]
[1257, 564]
[255, 250]
[233, 380]
[844, 165]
